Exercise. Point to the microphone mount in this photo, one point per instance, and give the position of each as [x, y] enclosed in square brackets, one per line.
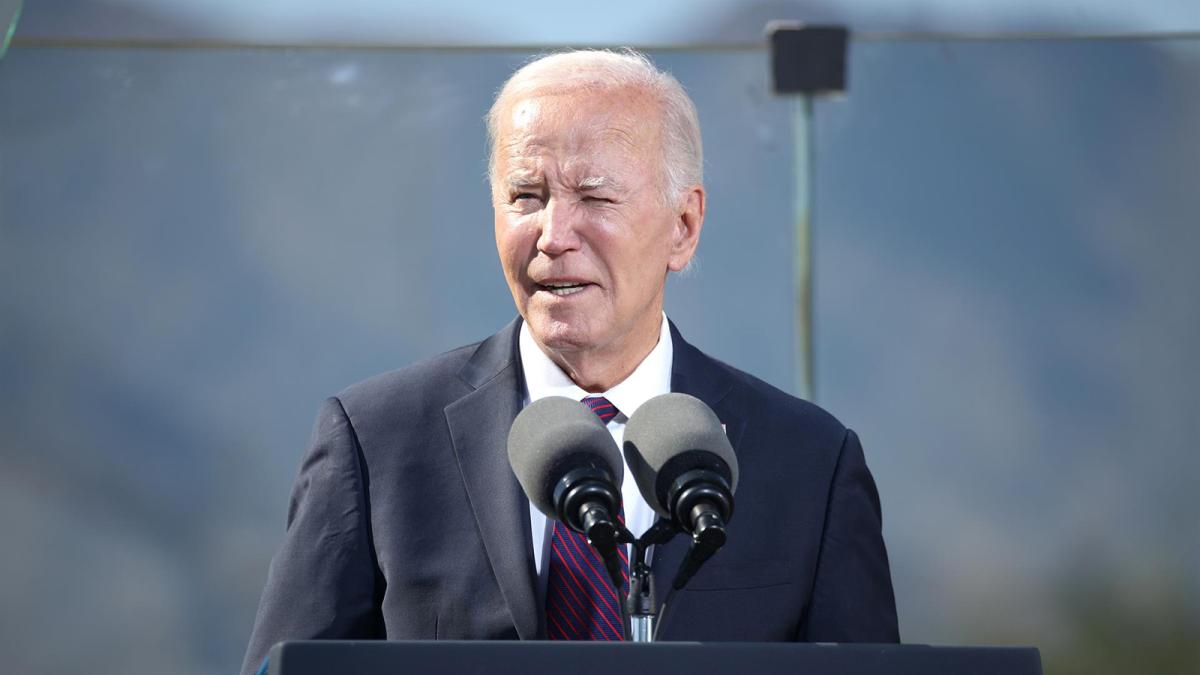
[701, 502]
[586, 499]
[640, 602]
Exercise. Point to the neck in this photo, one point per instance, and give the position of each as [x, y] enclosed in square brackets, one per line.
[599, 370]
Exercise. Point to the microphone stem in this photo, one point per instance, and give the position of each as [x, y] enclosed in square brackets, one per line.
[639, 604]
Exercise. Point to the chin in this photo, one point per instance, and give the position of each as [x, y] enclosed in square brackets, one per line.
[561, 335]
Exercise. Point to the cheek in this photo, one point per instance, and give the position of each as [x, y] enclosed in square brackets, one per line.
[645, 257]
[514, 241]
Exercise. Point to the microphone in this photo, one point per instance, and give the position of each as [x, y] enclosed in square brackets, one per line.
[570, 468]
[686, 470]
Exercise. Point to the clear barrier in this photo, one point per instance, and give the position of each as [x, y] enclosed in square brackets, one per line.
[198, 245]
[1005, 249]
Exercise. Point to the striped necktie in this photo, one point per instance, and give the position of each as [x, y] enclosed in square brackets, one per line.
[581, 603]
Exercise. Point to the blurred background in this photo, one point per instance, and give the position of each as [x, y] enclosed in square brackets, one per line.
[984, 256]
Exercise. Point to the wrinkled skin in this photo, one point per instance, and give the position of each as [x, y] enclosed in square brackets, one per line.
[580, 204]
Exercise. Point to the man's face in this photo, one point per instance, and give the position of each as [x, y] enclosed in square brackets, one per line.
[584, 234]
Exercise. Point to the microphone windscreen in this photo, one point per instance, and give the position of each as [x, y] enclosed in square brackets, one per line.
[670, 435]
[552, 436]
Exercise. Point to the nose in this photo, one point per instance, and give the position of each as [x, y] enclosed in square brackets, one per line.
[560, 228]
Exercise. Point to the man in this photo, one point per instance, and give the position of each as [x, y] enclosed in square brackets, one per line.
[406, 521]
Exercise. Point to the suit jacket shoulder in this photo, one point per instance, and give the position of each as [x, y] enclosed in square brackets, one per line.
[408, 403]
[805, 557]
[791, 412]
[753, 403]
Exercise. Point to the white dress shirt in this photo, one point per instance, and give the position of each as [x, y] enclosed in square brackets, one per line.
[543, 378]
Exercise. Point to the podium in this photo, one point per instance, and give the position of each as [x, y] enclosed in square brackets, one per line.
[659, 658]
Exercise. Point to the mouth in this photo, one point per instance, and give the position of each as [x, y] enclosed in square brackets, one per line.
[563, 288]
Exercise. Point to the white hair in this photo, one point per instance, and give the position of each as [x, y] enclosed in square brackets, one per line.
[683, 153]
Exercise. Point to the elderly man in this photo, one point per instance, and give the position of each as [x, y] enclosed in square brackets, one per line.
[406, 521]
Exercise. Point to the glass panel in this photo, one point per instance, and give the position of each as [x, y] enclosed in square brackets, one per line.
[198, 245]
[1006, 279]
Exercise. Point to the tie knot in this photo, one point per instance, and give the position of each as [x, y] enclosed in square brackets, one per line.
[603, 408]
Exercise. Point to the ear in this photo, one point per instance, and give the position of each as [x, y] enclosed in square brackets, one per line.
[685, 235]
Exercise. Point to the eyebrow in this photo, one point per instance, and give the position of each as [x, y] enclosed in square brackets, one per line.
[585, 184]
[524, 182]
[597, 182]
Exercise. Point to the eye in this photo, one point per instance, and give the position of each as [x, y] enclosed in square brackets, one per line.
[525, 202]
[598, 200]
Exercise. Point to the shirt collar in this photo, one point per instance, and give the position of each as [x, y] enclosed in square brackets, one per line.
[651, 378]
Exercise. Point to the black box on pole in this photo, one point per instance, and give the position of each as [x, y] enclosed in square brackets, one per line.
[808, 60]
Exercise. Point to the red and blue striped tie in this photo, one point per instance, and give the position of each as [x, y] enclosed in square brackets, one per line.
[581, 603]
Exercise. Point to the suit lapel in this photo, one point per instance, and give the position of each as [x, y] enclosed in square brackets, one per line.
[479, 424]
[696, 374]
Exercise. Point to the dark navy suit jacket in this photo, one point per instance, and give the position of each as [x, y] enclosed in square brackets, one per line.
[407, 523]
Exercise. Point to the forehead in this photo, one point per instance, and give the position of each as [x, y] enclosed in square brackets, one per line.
[601, 126]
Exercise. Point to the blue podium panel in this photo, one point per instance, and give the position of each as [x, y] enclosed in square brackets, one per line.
[600, 658]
